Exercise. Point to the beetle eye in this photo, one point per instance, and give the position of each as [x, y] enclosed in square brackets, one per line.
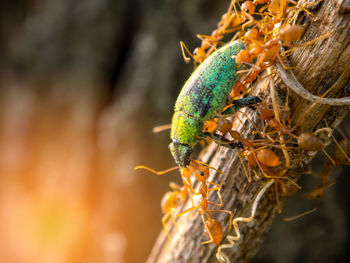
[201, 173]
[187, 157]
[188, 153]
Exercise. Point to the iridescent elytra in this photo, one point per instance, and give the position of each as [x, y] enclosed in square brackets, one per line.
[204, 94]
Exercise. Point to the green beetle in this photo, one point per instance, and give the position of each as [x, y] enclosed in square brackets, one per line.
[204, 94]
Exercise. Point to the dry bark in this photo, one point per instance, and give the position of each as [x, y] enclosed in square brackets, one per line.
[318, 68]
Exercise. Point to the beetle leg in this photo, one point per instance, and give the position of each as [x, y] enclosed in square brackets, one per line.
[240, 103]
[223, 141]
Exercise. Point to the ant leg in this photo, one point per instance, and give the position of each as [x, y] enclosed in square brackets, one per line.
[164, 223]
[183, 49]
[287, 219]
[210, 167]
[223, 141]
[188, 184]
[188, 210]
[279, 207]
[175, 187]
[174, 221]
[218, 186]
[247, 174]
[219, 195]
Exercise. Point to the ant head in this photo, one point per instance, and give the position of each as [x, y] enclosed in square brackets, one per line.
[201, 173]
[181, 153]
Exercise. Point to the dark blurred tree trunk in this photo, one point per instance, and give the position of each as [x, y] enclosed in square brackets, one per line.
[59, 68]
[317, 67]
[81, 86]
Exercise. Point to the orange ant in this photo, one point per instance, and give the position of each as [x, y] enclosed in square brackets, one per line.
[263, 53]
[197, 169]
[212, 227]
[278, 7]
[209, 43]
[313, 142]
[175, 198]
[318, 192]
[240, 87]
[269, 51]
[341, 156]
[238, 90]
[306, 141]
[266, 53]
[268, 158]
[310, 142]
[170, 202]
[210, 126]
[248, 7]
[201, 172]
[289, 189]
[229, 19]
[315, 194]
[264, 158]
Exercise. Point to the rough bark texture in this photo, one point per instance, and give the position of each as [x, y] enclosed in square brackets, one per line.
[317, 67]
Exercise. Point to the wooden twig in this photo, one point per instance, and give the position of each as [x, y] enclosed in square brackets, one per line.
[313, 74]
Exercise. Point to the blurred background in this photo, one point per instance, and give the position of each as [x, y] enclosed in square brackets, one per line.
[82, 83]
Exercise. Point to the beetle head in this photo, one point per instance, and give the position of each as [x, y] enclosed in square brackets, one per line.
[181, 153]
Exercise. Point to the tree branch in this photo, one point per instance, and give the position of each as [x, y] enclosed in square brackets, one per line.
[317, 68]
